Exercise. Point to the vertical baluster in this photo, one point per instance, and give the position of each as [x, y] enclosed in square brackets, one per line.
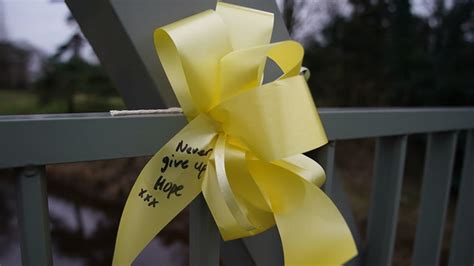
[265, 248]
[325, 156]
[235, 253]
[204, 238]
[385, 199]
[462, 243]
[32, 207]
[333, 187]
[439, 163]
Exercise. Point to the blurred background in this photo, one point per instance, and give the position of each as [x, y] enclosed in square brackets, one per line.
[361, 53]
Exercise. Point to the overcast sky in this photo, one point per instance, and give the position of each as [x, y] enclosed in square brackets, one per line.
[38, 22]
[41, 23]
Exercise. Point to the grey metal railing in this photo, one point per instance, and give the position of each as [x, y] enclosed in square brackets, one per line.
[31, 142]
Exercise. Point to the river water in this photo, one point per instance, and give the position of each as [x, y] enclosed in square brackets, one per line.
[81, 235]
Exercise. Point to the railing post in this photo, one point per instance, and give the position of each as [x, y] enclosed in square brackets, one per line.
[33, 216]
[435, 190]
[204, 238]
[385, 199]
[333, 187]
[462, 243]
[326, 156]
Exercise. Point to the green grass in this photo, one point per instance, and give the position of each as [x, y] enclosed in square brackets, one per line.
[18, 102]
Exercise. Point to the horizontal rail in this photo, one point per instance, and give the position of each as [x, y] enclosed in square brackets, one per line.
[50, 139]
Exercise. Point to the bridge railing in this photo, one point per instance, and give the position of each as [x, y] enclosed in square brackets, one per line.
[34, 141]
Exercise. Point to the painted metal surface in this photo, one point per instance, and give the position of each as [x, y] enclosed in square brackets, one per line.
[439, 162]
[204, 237]
[462, 242]
[51, 139]
[33, 217]
[385, 199]
[325, 156]
[121, 33]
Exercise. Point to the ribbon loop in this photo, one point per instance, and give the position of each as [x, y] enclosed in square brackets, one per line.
[242, 70]
[257, 25]
[287, 107]
[191, 60]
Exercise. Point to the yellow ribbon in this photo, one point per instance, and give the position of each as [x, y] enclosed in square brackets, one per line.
[242, 147]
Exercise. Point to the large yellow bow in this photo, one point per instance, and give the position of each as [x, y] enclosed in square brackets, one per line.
[242, 147]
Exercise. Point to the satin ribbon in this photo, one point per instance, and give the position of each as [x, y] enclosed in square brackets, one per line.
[243, 143]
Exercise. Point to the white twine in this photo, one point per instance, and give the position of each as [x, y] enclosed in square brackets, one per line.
[171, 110]
[304, 71]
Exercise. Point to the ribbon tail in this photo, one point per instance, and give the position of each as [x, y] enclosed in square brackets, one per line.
[312, 230]
[166, 185]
